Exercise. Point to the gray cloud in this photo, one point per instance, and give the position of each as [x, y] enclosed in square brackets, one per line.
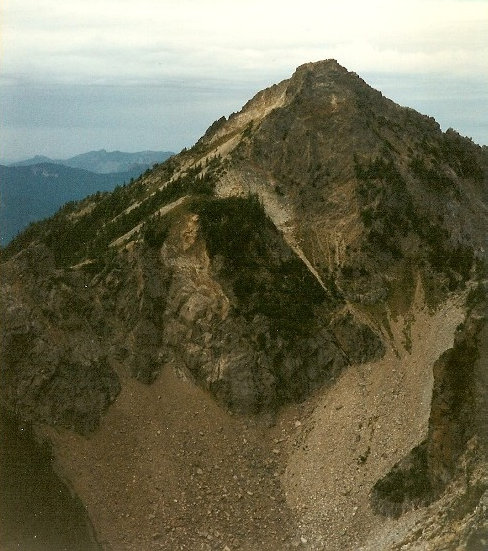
[106, 39]
[156, 73]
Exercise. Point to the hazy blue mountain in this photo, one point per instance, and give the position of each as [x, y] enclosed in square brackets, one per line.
[104, 162]
[30, 193]
[38, 159]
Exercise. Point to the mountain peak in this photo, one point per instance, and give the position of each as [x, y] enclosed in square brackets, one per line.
[324, 78]
[313, 85]
[322, 246]
[322, 66]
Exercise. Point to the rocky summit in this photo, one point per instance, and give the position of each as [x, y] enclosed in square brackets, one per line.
[276, 339]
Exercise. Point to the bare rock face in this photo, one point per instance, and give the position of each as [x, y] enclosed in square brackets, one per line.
[232, 332]
[218, 329]
[303, 269]
[54, 368]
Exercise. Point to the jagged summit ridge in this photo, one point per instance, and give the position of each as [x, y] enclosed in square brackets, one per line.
[279, 95]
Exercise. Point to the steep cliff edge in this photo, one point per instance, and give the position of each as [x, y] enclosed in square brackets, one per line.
[288, 295]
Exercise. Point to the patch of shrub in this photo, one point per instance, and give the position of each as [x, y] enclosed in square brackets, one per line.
[461, 154]
[90, 234]
[155, 231]
[267, 278]
[434, 177]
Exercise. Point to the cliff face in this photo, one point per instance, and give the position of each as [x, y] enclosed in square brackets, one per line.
[318, 248]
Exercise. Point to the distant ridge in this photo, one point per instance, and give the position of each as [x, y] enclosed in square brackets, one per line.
[29, 193]
[103, 161]
[38, 159]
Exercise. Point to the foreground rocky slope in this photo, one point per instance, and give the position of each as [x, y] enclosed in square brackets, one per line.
[274, 339]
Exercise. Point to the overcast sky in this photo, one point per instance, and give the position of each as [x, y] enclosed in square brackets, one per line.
[154, 74]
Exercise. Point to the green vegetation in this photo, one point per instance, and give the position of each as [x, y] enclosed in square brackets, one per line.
[461, 154]
[388, 210]
[73, 239]
[433, 176]
[232, 228]
[155, 231]
[389, 213]
[477, 295]
[267, 278]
